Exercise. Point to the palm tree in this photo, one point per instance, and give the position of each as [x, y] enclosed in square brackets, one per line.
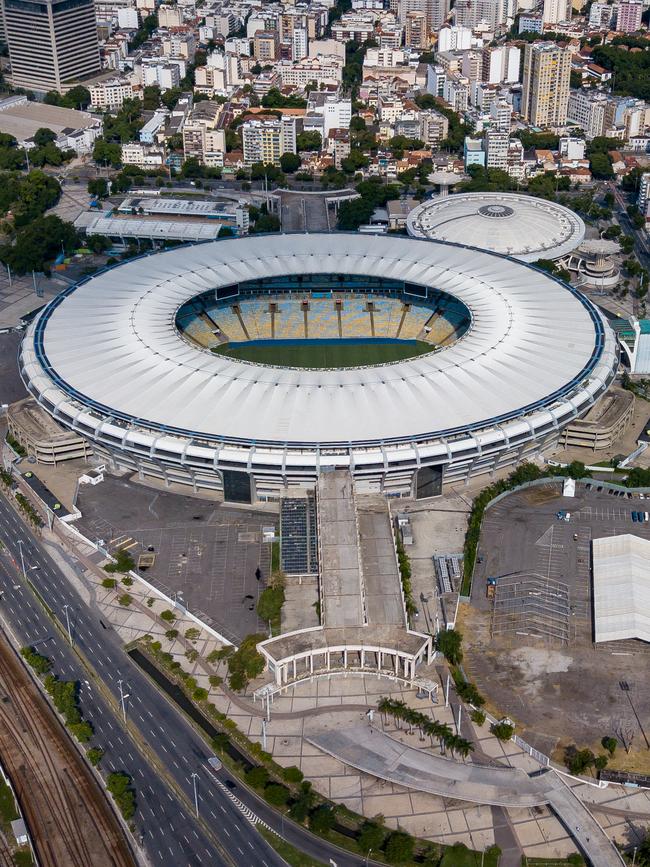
[464, 747]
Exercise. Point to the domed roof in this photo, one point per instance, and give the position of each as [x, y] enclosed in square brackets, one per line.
[515, 225]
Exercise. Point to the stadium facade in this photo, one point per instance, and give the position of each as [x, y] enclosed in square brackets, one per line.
[107, 359]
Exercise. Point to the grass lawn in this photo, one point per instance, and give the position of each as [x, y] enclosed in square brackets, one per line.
[325, 353]
[546, 862]
[8, 811]
[285, 850]
[456, 856]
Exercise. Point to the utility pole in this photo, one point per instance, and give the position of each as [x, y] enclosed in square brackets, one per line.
[9, 274]
[264, 735]
[460, 708]
[67, 620]
[195, 777]
[123, 698]
[447, 692]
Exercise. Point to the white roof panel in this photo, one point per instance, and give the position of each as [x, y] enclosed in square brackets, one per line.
[621, 588]
[525, 227]
[113, 341]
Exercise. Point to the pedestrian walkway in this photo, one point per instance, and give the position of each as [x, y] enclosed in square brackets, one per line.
[368, 749]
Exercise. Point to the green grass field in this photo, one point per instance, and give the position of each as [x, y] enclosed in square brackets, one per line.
[325, 353]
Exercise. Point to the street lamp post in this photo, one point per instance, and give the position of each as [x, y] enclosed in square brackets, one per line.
[123, 698]
[67, 620]
[368, 856]
[22, 558]
[195, 777]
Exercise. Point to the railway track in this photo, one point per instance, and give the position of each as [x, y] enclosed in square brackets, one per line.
[68, 816]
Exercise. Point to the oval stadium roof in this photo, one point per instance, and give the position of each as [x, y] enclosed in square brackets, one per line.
[110, 347]
[515, 225]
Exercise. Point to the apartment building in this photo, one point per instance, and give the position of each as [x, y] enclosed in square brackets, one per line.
[110, 94]
[628, 18]
[555, 11]
[266, 46]
[321, 70]
[496, 149]
[201, 137]
[587, 109]
[416, 31]
[142, 155]
[264, 141]
[545, 97]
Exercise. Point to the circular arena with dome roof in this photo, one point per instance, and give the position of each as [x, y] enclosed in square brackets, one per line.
[250, 366]
[524, 227]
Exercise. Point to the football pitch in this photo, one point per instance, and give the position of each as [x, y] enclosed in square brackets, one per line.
[325, 353]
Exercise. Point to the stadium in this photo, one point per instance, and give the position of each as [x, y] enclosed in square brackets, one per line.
[250, 366]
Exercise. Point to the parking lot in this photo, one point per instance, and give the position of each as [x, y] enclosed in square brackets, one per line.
[530, 645]
[205, 552]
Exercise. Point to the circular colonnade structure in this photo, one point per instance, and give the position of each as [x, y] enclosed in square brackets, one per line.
[107, 359]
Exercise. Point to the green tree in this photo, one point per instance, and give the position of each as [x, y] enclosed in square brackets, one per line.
[266, 223]
[270, 602]
[449, 643]
[220, 742]
[292, 774]
[98, 187]
[151, 97]
[43, 136]
[600, 762]
[578, 761]
[371, 836]
[609, 743]
[354, 213]
[94, 756]
[245, 663]
[304, 802]
[276, 794]
[275, 99]
[124, 562]
[321, 819]
[601, 165]
[105, 152]
[502, 730]
[257, 777]
[39, 243]
[290, 163]
[309, 141]
[399, 847]
[119, 785]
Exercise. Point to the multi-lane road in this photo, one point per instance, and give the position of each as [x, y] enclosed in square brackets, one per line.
[164, 825]
[159, 747]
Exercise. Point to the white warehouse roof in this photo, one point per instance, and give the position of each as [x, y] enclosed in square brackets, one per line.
[621, 567]
[515, 225]
[534, 348]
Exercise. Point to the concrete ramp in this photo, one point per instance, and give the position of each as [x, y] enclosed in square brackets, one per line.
[370, 750]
